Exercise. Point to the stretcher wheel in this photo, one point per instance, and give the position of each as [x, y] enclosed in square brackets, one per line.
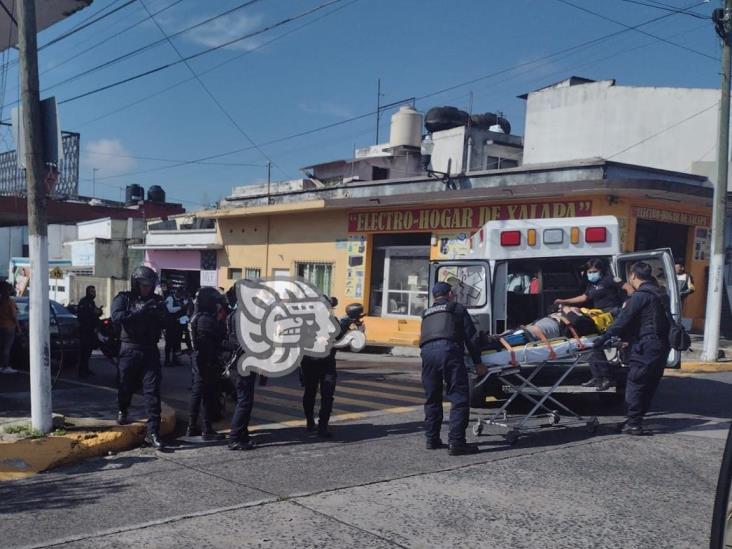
[512, 437]
[592, 426]
[478, 428]
[556, 418]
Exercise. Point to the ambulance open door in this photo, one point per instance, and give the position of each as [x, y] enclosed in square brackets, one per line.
[470, 282]
[662, 263]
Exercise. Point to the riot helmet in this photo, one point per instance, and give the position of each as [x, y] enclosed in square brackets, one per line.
[143, 276]
[206, 299]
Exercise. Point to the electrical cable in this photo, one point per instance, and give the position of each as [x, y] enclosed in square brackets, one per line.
[210, 93]
[656, 37]
[659, 6]
[7, 11]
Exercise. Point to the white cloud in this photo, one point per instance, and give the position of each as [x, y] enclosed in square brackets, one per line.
[328, 108]
[109, 156]
[220, 31]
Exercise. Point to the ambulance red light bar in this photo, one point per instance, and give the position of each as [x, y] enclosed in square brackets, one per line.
[510, 238]
[594, 235]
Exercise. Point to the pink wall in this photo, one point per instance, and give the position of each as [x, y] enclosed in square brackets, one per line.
[185, 260]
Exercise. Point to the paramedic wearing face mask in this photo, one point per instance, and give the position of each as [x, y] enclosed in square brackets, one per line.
[602, 293]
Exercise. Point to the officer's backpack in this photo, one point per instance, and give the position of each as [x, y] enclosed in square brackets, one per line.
[678, 338]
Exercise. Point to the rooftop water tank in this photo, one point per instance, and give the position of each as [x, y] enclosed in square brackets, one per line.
[406, 128]
[156, 194]
[134, 194]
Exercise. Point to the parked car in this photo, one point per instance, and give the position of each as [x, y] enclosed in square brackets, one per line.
[64, 331]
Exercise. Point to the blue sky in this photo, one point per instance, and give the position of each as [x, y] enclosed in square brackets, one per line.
[326, 72]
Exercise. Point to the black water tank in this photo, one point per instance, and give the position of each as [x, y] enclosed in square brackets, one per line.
[444, 118]
[134, 193]
[156, 194]
[488, 119]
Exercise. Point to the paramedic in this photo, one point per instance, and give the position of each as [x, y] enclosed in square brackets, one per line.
[446, 328]
[643, 322]
[602, 293]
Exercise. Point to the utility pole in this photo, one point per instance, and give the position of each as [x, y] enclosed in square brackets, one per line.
[715, 291]
[378, 109]
[94, 182]
[38, 325]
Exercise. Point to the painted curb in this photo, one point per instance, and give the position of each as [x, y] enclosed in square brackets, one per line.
[699, 367]
[26, 457]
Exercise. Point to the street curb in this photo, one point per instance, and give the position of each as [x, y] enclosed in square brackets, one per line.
[26, 457]
[700, 367]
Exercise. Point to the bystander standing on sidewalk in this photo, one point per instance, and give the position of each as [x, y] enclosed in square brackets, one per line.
[8, 326]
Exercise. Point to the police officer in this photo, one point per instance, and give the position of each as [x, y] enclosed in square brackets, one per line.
[446, 327]
[140, 313]
[321, 372]
[88, 313]
[643, 323]
[207, 335]
[239, 434]
[602, 292]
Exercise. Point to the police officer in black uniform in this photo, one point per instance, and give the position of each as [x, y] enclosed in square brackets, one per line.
[602, 292]
[88, 314]
[244, 385]
[446, 327]
[644, 324]
[140, 314]
[321, 372]
[207, 335]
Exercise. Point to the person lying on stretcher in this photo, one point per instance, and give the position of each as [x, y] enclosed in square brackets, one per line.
[566, 322]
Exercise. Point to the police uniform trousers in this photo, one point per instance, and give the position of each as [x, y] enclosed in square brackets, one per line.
[600, 367]
[87, 337]
[646, 362]
[318, 372]
[244, 402]
[443, 364]
[140, 365]
[172, 340]
[204, 389]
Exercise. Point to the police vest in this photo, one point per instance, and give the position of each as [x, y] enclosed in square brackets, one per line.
[439, 322]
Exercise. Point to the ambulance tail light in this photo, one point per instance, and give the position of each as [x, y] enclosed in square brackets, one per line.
[510, 238]
[595, 235]
[574, 235]
[531, 237]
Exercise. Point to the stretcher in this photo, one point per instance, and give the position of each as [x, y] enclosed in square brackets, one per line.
[536, 351]
[541, 414]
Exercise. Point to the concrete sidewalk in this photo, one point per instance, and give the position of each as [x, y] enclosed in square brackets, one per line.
[84, 426]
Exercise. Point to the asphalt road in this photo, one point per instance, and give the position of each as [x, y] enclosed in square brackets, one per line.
[375, 485]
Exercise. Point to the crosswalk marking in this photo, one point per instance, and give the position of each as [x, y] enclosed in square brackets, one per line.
[379, 394]
[345, 400]
[287, 403]
[269, 415]
[382, 385]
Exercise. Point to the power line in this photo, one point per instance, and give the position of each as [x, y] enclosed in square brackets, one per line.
[660, 6]
[217, 66]
[210, 93]
[199, 54]
[174, 161]
[601, 16]
[426, 96]
[7, 11]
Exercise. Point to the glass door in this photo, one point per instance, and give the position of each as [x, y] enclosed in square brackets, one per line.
[406, 281]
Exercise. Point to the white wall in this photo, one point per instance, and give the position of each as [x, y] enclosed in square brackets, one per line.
[11, 245]
[667, 128]
[57, 235]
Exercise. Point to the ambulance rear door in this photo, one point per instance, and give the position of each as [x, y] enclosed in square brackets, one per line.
[470, 282]
[662, 263]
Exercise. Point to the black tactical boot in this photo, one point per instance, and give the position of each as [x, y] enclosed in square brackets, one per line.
[153, 439]
[462, 449]
[323, 430]
[209, 433]
[435, 444]
[590, 383]
[241, 445]
[310, 424]
[122, 417]
[604, 384]
[193, 430]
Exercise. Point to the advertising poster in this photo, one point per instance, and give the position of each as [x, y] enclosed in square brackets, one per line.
[356, 266]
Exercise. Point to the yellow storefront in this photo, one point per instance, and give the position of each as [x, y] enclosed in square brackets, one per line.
[379, 256]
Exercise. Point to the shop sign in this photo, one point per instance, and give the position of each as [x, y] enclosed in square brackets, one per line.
[470, 217]
[671, 216]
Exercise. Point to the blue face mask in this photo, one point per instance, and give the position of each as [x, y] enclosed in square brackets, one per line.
[593, 277]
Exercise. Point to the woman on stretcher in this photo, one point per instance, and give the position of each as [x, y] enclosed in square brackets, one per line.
[567, 322]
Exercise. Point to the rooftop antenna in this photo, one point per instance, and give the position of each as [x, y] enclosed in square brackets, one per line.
[378, 108]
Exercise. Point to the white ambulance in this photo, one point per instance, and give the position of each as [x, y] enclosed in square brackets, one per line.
[517, 268]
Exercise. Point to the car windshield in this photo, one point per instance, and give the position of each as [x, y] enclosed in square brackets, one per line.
[56, 308]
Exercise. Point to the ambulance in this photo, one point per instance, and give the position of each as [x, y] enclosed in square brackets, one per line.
[515, 269]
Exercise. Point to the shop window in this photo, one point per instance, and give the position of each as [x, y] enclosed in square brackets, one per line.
[498, 163]
[406, 280]
[252, 273]
[234, 273]
[319, 275]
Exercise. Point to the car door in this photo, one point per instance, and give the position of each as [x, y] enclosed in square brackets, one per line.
[662, 263]
[470, 282]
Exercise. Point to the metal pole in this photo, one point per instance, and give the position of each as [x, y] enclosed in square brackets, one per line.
[38, 328]
[715, 291]
[378, 109]
[94, 181]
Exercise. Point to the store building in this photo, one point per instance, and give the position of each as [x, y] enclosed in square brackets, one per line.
[372, 242]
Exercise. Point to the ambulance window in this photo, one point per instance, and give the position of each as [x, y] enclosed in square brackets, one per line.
[656, 263]
[468, 283]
